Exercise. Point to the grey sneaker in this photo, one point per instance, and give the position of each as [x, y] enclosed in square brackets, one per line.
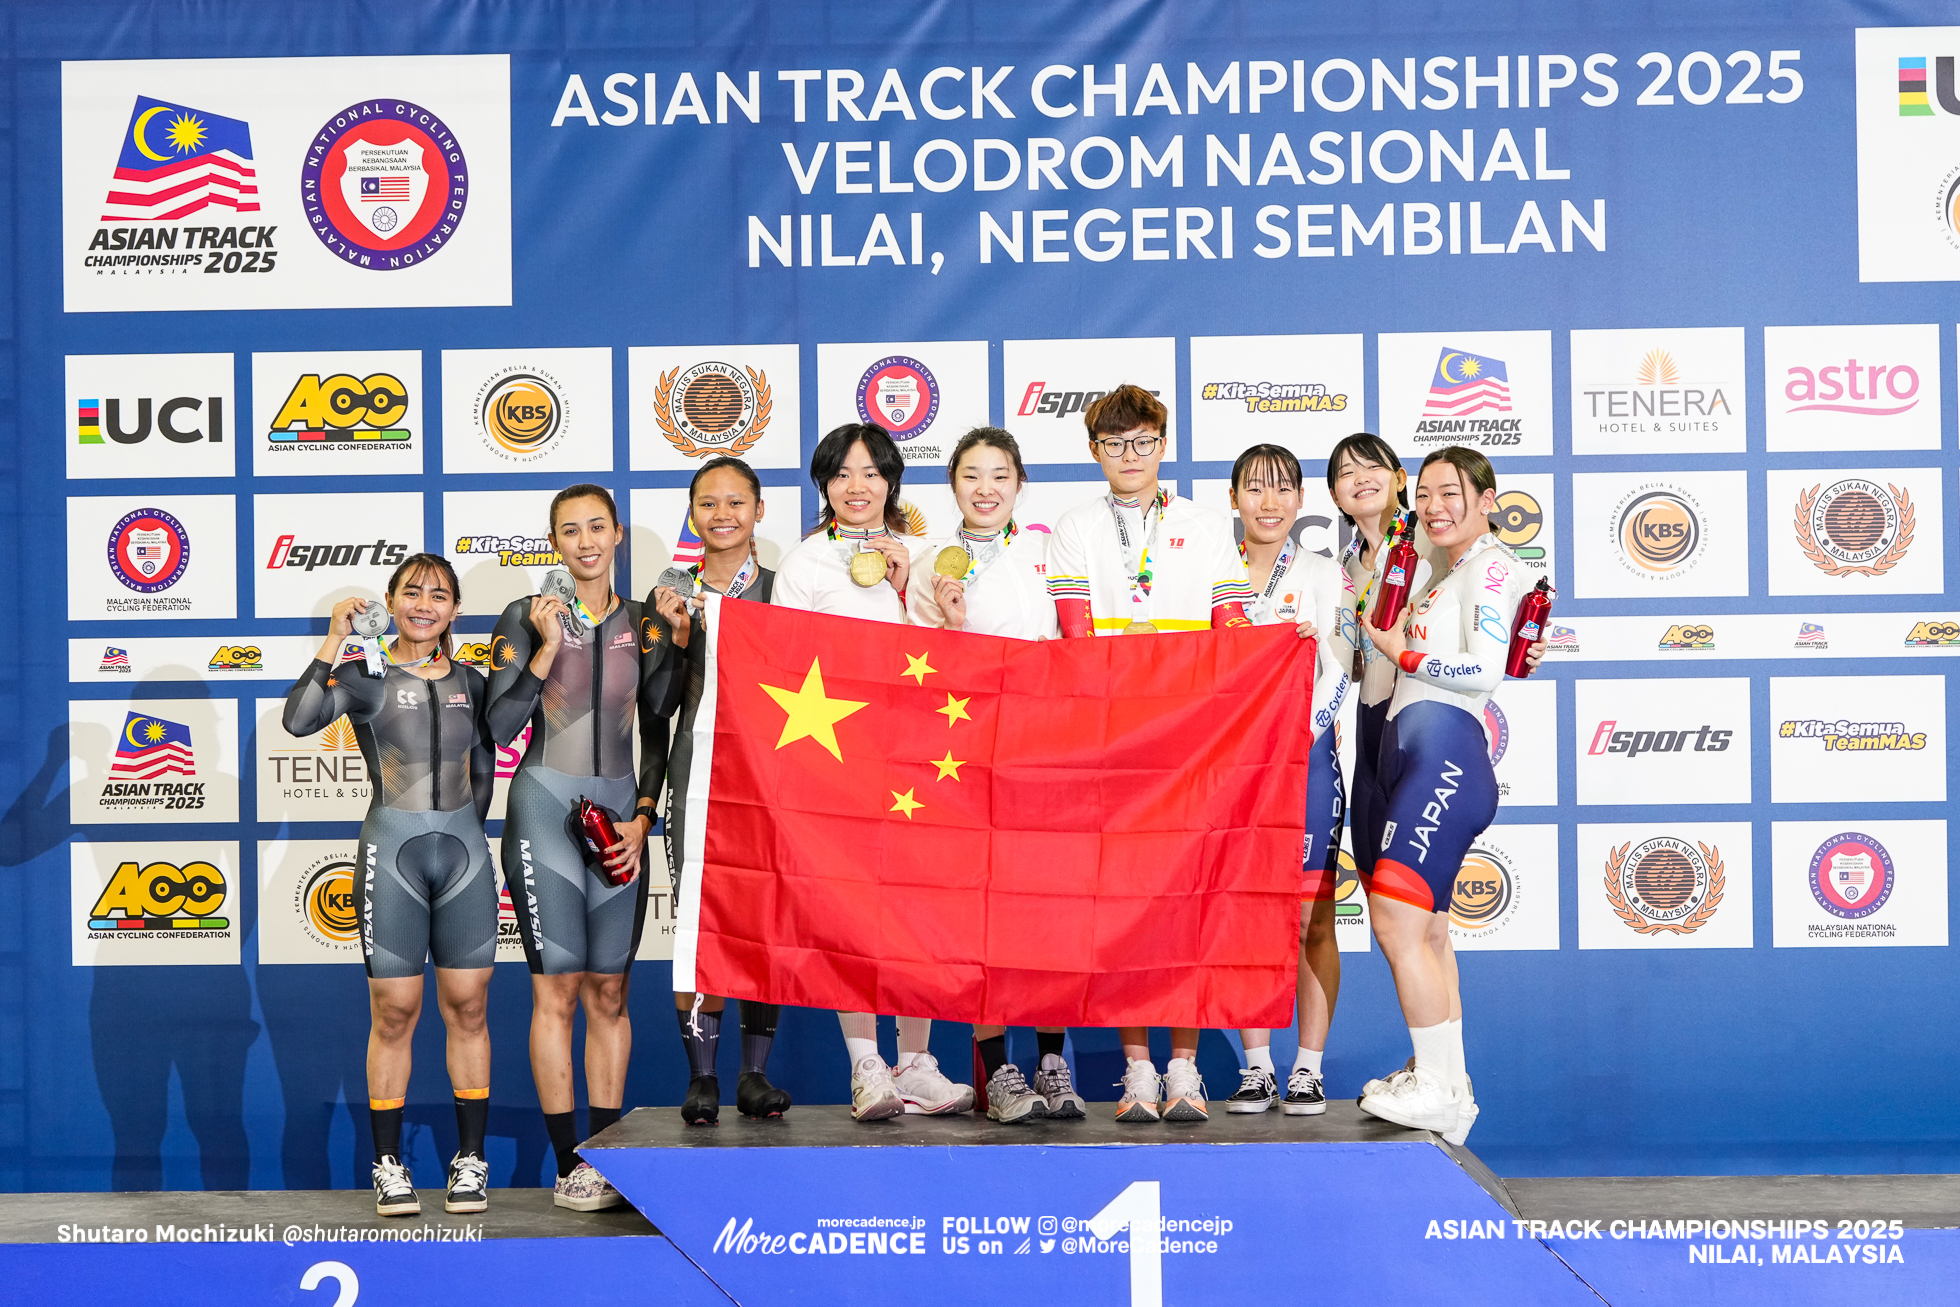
[1054, 1083]
[1009, 1100]
[585, 1190]
[394, 1192]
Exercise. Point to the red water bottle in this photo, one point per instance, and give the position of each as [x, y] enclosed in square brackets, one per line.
[1398, 575]
[600, 835]
[1532, 612]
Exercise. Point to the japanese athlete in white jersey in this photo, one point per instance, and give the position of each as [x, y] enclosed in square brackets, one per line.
[1436, 775]
[854, 564]
[1291, 585]
[990, 577]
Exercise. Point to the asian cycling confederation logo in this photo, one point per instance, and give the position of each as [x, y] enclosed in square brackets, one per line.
[1664, 884]
[1485, 895]
[161, 897]
[1851, 875]
[1854, 527]
[324, 902]
[149, 550]
[712, 408]
[1657, 531]
[900, 395]
[384, 184]
[1517, 522]
[521, 413]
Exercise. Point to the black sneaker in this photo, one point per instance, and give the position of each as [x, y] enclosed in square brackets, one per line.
[1257, 1090]
[394, 1192]
[756, 1097]
[703, 1105]
[469, 1184]
[1304, 1096]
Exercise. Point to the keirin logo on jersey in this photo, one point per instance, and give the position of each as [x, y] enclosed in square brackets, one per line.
[1851, 876]
[1664, 885]
[1485, 896]
[712, 408]
[1658, 532]
[1854, 527]
[384, 184]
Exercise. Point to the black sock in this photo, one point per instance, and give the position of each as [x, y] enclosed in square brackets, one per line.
[563, 1130]
[701, 1048]
[598, 1118]
[472, 1122]
[758, 1033]
[993, 1053]
[1050, 1041]
[386, 1125]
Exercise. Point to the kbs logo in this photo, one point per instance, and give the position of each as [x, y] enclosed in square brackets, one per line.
[1657, 531]
[510, 551]
[713, 408]
[95, 416]
[1038, 400]
[900, 394]
[1608, 738]
[1925, 635]
[1854, 527]
[1276, 396]
[384, 184]
[237, 658]
[1484, 897]
[1688, 637]
[521, 414]
[160, 896]
[1851, 876]
[341, 410]
[286, 554]
[326, 905]
[1854, 737]
[1664, 885]
[1517, 522]
[149, 550]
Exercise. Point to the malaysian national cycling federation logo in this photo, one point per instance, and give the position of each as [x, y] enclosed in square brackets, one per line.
[324, 901]
[384, 184]
[160, 897]
[1657, 532]
[1664, 885]
[1854, 527]
[1497, 729]
[149, 550]
[520, 412]
[1851, 876]
[713, 408]
[900, 395]
[1485, 895]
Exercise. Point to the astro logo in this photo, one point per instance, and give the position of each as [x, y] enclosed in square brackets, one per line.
[94, 417]
[1854, 388]
[1038, 399]
[1933, 635]
[522, 413]
[1608, 738]
[1688, 636]
[285, 553]
[237, 658]
[161, 897]
[340, 410]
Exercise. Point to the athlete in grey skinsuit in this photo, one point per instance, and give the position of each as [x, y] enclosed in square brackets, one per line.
[427, 885]
[570, 917]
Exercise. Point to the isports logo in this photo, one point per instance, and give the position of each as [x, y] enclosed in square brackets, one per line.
[900, 394]
[1933, 635]
[1276, 396]
[95, 417]
[1517, 522]
[288, 554]
[1851, 876]
[521, 413]
[1854, 737]
[1687, 636]
[1854, 527]
[1040, 400]
[237, 658]
[510, 551]
[1657, 531]
[1608, 738]
[384, 184]
[1664, 885]
[161, 897]
[341, 411]
[712, 408]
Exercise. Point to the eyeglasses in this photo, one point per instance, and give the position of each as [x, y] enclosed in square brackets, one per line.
[1144, 446]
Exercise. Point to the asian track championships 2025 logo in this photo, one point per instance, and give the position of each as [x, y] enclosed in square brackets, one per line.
[1657, 531]
[1851, 876]
[1854, 527]
[712, 408]
[1664, 884]
[384, 184]
[149, 550]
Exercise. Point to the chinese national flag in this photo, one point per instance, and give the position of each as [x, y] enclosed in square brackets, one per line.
[916, 822]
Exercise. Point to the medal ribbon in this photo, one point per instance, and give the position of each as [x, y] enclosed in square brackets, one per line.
[434, 656]
[1281, 566]
[743, 579]
[984, 551]
[1140, 579]
[852, 539]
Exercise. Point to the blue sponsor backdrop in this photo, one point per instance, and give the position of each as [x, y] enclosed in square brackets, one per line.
[1735, 214]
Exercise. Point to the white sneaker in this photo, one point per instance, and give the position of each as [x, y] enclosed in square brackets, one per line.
[874, 1096]
[394, 1192]
[1377, 1086]
[927, 1092]
[1009, 1100]
[1184, 1092]
[585, 1190]
[1257, 1090]
[1466, 1116]
[1054, 1083]
[1417, 1100]
[1141, 1088]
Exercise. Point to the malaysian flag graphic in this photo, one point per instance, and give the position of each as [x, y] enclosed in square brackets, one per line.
[1467, 383]
[114, 658]
[1810, 633]
[1561, 637]
[152, 747]
[177, 160]
[689, 550]
[376, 189]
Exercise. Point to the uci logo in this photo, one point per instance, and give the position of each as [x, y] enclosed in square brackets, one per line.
[162, 890]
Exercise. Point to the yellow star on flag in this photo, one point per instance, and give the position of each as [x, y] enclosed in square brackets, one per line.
[812, 713]
[917, 669]
[955, 710]
[906, 803]
[948, 766]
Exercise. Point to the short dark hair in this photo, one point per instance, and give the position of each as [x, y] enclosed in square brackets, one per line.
[1271, 459]
[1473, 470]
[416, 564]
[1125, 409]
[992, 437]
[716, 464]
[1371, 447]
[828, 461]
[583, 490]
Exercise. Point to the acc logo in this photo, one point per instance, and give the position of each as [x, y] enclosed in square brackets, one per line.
[1498, 727]
[324, 900]
[1854, 528]
[149, 550]
[1517, 522]
[1933, 633]
[900, 395]
[1851, 876]
[712, 408]
[1687, 636]
[473, 653]
[161, 897]
[1347, 888]
[237, 658]
[342, 408]
[384, 184]
[1485, 896]
[1664, 884]
[521, 413]
[1658, 532]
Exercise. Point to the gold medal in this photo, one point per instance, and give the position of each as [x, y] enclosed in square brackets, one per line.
[1140, 628]
[952, 561]
[868, 567]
